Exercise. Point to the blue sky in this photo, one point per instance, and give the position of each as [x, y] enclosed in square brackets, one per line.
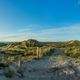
[44, 20]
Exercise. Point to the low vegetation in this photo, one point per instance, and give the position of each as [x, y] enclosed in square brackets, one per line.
[72, 52]
[29, 48]
[52, 58]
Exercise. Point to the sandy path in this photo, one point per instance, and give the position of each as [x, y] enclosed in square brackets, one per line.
[42, 70]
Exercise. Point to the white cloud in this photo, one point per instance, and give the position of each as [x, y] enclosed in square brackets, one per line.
[26, 28]
[62, 30]
[58, 33]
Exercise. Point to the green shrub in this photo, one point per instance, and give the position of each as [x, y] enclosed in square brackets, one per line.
[72, 52]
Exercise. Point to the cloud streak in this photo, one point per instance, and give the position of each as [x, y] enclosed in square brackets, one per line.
[50, 34]
[63, 30]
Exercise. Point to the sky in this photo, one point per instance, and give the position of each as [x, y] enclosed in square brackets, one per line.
[44, 20]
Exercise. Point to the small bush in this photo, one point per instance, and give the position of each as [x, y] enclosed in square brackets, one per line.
[72, 52]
